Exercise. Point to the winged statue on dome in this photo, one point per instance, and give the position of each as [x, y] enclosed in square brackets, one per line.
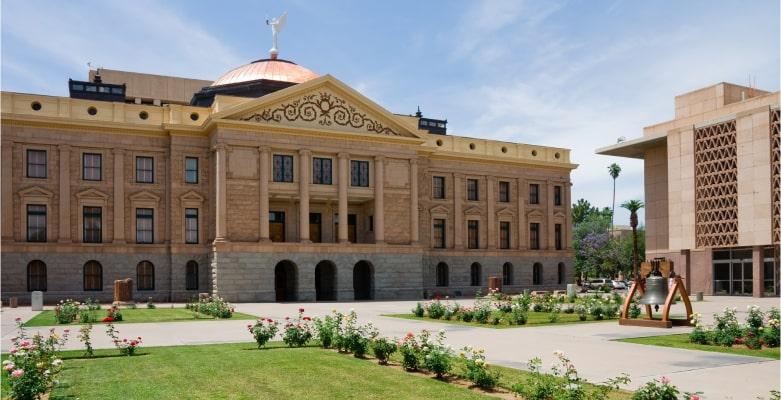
[276, 25]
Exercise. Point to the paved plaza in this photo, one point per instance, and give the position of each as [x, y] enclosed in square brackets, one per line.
[590, 346]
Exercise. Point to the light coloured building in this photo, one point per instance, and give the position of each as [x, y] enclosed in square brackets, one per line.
[712, 189]
[269, 184]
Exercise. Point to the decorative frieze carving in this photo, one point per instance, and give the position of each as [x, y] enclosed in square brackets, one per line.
[775, 172]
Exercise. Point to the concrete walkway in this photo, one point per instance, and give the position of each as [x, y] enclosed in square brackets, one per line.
[590, 346]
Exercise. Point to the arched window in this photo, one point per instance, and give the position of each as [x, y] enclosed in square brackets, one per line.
[191, 275]
[537, 274]
[507, 274]
[442, 274]
[475, 274]
[36, 276]
[562, 273]
[93, 276]
[145, 276]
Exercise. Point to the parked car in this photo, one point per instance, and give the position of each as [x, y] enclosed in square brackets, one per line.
[597, 283]
[618, 285]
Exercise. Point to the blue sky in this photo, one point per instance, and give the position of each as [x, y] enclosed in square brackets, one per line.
[575, 74]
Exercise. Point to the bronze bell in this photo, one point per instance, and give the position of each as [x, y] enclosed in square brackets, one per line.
[656, 290]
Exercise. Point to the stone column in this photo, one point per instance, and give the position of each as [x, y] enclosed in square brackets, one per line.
[8, 191]
[65, 194]
[567, 188]
[491, 210]
[379, 199]
[344, 181]
[758, 271]
[549, 241]
[523, 242]
[414, 217]
[263, 177]
[119, 196]
[458, 215]
[303, 192]
[221, 177]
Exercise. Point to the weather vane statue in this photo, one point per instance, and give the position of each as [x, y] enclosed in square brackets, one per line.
[276, 25]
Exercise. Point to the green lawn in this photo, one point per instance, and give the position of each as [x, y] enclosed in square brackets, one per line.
[136, 315]
[240, 371]
[681, 341]
[534, 319]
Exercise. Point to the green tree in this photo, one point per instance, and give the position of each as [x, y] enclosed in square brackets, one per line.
[614, 170]
[633, 206]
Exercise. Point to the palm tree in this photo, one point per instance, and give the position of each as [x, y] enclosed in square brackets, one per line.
[633, 206]
[614, 170]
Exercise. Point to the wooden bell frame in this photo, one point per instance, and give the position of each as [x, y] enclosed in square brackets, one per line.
[649, 321]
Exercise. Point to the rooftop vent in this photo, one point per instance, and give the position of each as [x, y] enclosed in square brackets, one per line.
[435, 126]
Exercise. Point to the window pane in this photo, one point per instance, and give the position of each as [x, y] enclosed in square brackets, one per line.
[92, 164]
[191, 170]
[534, 193]
[144, 169]
[473, 234]
[438, 187]
[359, 173]
[92, 221]
[191, 276]
[144, 225]
[283, 168]
[36, 223]
[36, 163]
[504, 192]
[191, 225]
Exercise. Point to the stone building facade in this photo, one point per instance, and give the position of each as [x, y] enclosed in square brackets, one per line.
[280, 185]
[712, 189]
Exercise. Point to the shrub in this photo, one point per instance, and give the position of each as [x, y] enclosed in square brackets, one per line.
[634, 309]
[504, 306]
[66, 312]
[33, 363]
[481, 313]
[611, 311]
[383, 348]
[263, 330]
[328, 327]
[537, 307]
[563, 382]
[477, 369]
[523, 301]
[755, 319]
[435, 309]
[518, 316]
[772, 334]
[355, 337]
[597, 312]
[699, 334]
[214, 306]
[582, 312]
[150, 304]
[726, 329]
[437, 357]
[572, 298]
[129, 347]
[84, 336]
[92, 304]
[553, 317]
[466, 314]
[657, 390]
[496, 320]
[410, 352]
[569, 310]
[418, 310]
[114, 313]
[298, 333]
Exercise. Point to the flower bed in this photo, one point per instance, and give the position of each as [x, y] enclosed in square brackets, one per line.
[761, 330]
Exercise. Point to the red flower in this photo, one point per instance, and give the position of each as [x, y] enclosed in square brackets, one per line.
[307, 319]
[108, 319]
[300, 310]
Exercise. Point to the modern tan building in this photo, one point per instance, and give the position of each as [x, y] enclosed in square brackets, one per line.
[269, 184]
[712, 189]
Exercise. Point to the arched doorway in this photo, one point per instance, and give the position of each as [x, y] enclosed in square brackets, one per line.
[285, 284]
[325, 281]
[363, 280]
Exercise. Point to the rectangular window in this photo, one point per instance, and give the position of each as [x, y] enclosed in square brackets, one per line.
[504, 235]
[371, 223]
[534, 193]
[93, 225]
[283, 168]
[91, 166]
[191, 225]
[439, 233]
[438, 187]
[534, 236]
[145, 225]
[145, 170]
[359, 173]
[504, 192]
[473, 228]
[276, 221]
[472, 190]
[191, 170]
[36, 223]
[557, 195]
[36, 163]
[321, 171]
[557, 231]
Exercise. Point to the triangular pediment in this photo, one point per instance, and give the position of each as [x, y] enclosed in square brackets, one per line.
[473, 211]
[505, 212]
[559, 214]
[535, 214]
[145, 196]
[36, 191]
[440, 209]
[191, 196]
[91, 194]
[324, 103]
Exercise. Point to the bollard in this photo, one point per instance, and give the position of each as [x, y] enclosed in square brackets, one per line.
[36, 301]
[13, 302]
[698, 296]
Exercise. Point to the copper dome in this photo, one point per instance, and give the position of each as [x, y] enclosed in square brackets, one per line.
[268, 69]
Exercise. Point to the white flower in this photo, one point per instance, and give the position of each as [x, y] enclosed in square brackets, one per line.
[56, 362]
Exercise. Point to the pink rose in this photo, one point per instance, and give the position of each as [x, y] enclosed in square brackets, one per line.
[18, 319]
[13, 350]
[18, 373]
[9, 367]
[665, 380]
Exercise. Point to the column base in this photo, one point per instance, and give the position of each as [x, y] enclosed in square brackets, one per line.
[119, 241]
[264, 240]
[379, 242]
[344, 241]
[64, 241]
[305, 241]
[220, 240]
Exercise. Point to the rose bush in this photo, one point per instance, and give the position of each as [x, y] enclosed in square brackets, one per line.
[263, 330]
[297, 333]
[33, 363]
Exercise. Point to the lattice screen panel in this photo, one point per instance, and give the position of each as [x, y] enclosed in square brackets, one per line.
[775, 171]
[716, 185]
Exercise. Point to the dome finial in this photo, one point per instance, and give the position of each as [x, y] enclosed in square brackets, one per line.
[276, 25]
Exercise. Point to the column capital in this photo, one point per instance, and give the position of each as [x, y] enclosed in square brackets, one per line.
[264, 149]
[459, 175]
[305, 152]
[343, 155]
[379, 158]
[413, 161]
[64, 147]
[118, 151]
[219, 147]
